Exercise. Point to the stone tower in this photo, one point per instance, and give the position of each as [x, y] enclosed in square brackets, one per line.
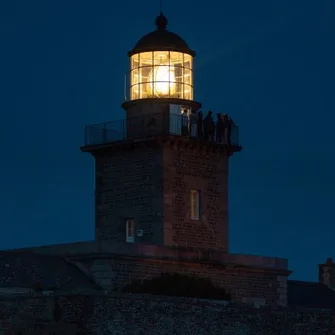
[160, 178]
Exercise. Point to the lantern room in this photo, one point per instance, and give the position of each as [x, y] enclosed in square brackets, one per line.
[161, 65]
[161, 99]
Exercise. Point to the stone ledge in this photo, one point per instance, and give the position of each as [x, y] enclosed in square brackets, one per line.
[94, 249]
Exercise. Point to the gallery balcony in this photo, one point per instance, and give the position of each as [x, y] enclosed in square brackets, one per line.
[155, 125]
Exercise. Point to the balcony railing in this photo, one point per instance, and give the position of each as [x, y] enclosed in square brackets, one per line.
[151, 125]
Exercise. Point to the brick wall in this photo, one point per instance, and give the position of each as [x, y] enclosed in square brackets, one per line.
[129, 184]
[138, 314]
[327, 273]
[113, 265]
[152, 182]
[264, 286]
[192, 166]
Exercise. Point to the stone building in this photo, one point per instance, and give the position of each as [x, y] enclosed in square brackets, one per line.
[161, 199]
[161, 181]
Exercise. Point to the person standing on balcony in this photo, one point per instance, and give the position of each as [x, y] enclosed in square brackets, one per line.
[193, 123]
[219, 128]
[225, 127]
[230, 124]
[199, 130]
[209, 127]
[206, 127]
[184, 123]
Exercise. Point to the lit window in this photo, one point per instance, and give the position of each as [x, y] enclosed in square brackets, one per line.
[130, 230]
[195, 204]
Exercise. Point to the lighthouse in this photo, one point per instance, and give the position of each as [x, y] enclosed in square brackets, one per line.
[156, 181]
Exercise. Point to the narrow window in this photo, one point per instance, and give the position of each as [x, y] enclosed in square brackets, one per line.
[130, 230]
[195, 204]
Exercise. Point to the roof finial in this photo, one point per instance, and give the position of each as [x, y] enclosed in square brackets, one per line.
[161, 21]
[161, 7]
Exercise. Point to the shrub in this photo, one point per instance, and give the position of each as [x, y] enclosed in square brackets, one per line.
[179, 285]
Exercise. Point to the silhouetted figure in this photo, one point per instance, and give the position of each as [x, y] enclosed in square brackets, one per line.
[209, 127]
[200, 122]
[193, 123]
[229, 127]
[224, 118]
[184, 123]
[219, 128]
[206, 127]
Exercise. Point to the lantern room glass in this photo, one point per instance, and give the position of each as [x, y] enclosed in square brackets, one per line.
[161, 74]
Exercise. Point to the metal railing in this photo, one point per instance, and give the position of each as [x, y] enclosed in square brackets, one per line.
[149, 125]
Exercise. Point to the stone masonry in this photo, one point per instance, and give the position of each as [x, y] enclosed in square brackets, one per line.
[129, 185]
[244, 284]
[93, 313]
[327, 273]
[189, 165]
[253, 279]
[151, 183]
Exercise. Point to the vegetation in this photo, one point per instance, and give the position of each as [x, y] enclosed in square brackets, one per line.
[180, 286]
[39, 287]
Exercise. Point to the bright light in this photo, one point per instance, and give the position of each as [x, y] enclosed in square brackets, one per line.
[161, 74]
[162, 81]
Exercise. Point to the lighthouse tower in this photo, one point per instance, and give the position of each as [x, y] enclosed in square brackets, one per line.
[159, 181]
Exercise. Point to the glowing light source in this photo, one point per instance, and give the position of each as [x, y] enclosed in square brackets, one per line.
[161, 74]
[162, 81]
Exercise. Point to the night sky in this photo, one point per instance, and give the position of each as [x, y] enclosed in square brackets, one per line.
[269, 64]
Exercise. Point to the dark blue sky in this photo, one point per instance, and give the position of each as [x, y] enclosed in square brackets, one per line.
[269, 64]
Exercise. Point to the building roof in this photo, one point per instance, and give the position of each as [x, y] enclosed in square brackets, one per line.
[22, 269]
[310, 295]
[161, 40]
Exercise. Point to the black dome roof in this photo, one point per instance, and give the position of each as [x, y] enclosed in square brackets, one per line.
[161, 40]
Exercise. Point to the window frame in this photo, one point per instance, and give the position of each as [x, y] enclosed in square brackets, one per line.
[197, 203]
[130, 227]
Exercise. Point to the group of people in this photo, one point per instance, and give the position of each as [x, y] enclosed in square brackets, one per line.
[195, 125]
